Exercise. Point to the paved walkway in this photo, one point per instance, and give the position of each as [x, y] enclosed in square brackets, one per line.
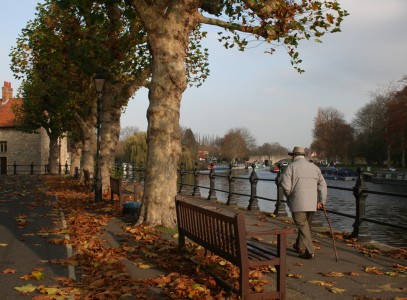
[26, 207]
[29, 248]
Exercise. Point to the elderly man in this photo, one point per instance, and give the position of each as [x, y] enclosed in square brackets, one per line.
[306, 191]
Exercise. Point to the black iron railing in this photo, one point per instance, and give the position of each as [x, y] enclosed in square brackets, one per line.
[18, 169]
[359, 191]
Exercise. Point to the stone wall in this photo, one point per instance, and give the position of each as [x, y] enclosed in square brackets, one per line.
[28, 148]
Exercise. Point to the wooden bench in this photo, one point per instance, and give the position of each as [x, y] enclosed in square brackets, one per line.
[226, 237]
[124, 190]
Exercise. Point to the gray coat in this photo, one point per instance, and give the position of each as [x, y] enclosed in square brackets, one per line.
[303, 185]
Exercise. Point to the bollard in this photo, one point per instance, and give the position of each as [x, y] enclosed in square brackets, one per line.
[59, 168]
[76, 175]
[253, 202]
[66, 167]
[360, 227]
[182, 179]
[212, 192]
[280, 209]
[196, 192]
[15, 168]
[32, 167]
[231, 196]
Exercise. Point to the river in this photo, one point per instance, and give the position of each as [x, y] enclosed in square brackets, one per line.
[387, 209]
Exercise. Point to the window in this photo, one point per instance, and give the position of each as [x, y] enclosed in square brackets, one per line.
[3, 146]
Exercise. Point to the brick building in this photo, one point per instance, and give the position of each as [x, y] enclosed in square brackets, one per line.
[20, 148]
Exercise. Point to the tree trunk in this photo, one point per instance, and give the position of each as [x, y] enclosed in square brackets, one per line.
[76, 152]
[111, 110]
[87, 128]
[88, 148]
[115, 97]
[168, 36]
[53, 154]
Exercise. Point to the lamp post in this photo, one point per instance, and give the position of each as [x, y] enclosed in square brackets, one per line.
[99, 81]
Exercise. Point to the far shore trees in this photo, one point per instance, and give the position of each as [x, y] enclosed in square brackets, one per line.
[332, 137]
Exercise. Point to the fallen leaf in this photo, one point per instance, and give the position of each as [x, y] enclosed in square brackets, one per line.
[373, 270]
[9, 271]
[352, 273]
[296, 276]
[322, 283]
[25, 289]
[26, 277]
[389, 288]
[3, 245]
[335, 290]
[37, 275]
[49, 290]
[332, 274]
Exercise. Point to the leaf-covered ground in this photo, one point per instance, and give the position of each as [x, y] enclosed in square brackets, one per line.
[100, 268]
[102, 273]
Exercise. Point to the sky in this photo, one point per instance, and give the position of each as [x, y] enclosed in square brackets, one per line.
[264, 93]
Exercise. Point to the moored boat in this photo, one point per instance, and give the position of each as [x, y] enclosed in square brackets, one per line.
[390, 177]
[334, 173]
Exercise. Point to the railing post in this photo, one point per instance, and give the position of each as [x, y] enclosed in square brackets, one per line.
[127, 171]
[182, 178]
[360, 227]
[253, 202]
[66, 167]
[231, 196]
[15, 168]
[32, 167]
[280, 209]
[196, 192]
[133, 170]
[212, 192]
[141, 172]
[59, 168]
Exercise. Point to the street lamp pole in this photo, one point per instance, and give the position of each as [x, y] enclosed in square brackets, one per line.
[99, 81]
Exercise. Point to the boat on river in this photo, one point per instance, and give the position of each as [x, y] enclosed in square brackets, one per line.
[334, 173]
[390, 177]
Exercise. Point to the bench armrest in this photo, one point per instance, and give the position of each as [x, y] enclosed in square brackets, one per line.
[271, 232]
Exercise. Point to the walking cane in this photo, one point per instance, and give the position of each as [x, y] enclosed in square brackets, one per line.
[333, 236]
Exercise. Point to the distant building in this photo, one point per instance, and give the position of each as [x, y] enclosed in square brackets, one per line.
[21, 148]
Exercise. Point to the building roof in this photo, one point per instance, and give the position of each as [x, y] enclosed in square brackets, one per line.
[6, 113]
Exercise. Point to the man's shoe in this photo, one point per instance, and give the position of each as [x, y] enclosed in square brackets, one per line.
[307, 255]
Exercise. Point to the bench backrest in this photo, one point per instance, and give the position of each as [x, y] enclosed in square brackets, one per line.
[221, 234]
